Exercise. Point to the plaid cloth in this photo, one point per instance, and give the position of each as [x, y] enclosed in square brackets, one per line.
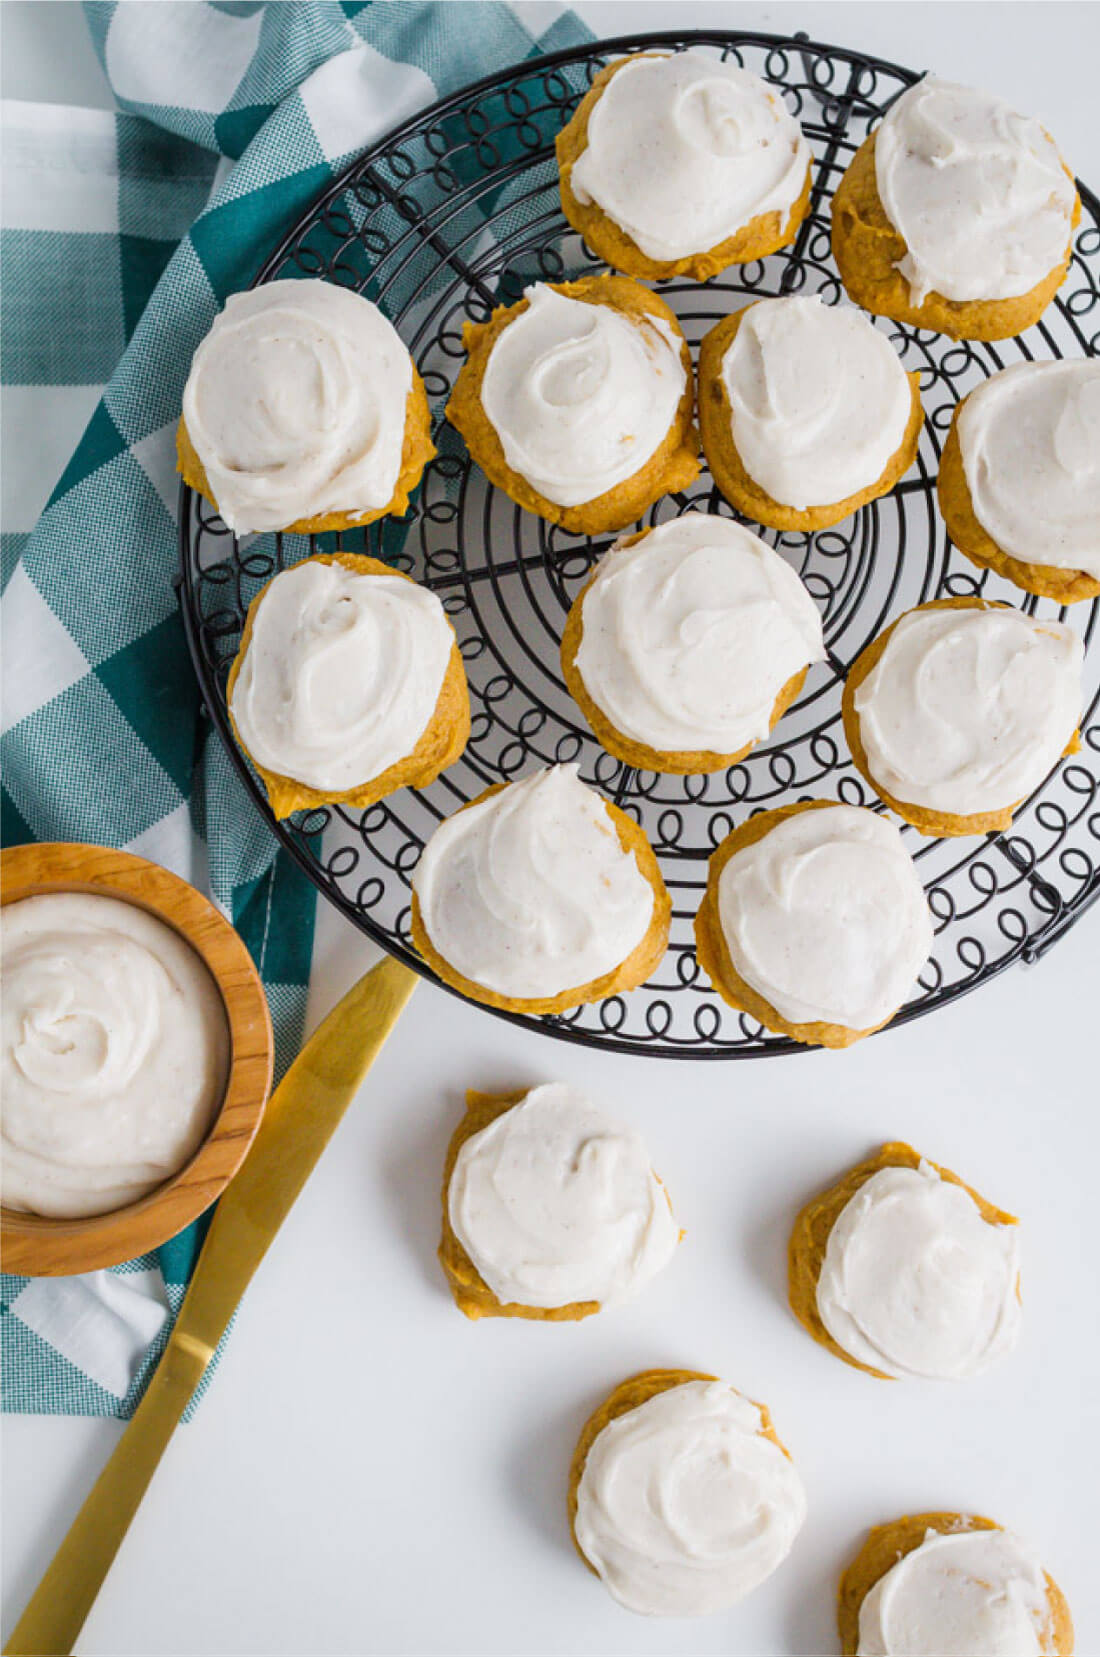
[122, 236]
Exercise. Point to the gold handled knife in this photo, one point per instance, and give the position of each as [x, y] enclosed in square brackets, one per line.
[301, 1117]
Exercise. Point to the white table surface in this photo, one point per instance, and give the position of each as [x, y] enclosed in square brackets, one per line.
[371, 1473]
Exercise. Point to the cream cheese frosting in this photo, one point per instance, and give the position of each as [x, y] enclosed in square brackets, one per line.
[819, 400]
[296, 405]
[581, 395]
[1030, 444]
[966, 711]
[916, 1282]
[114, 1053]
[967, 1593]
[342, 674]
[530, 892]
[684, 1506]
[684, 150]
[825, 917]
[978, 193]
[555, 1204]
[690, 634]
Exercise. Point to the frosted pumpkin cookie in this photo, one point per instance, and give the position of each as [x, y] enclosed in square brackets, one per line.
[959, 710]
[682, 1499]
[550, 1209]
[348, 684]
[805, 412]
[950, 1582]
[303, 411]
[1019, 480]
[955, 215]
[540, 895]
[681, 165]
[814, 921]
[577, 402]
[688, 643]
[903, 1271]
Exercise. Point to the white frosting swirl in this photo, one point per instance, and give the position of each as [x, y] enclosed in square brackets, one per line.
[581, 395]
[916, 1283]
[684, 1506]
[819, 400]
[530, 892]
[296, 405]
[1030, 444]
[977, 192]
[114, 1053]
[825, 917]
[342, 674]
[967, 1593]
[683, 151]
[967, 710]
[555, 1204]
[691, 633]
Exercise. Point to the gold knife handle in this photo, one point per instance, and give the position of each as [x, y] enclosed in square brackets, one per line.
[53, 1619]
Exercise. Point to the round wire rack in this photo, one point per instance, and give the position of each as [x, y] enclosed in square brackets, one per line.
[457, 211]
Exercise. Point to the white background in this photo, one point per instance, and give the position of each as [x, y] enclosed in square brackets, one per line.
[371, 1473]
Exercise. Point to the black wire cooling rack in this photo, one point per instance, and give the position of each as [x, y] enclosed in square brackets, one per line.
[457, 211]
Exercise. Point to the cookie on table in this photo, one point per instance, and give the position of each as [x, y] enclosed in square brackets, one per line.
[303, 411]
[814, 921]
[960, 708]
[577, 402]
[682, 1499]
[904, 1272]
[688, 643]
[550, 1209]
[682, 164]
[937, 1582]
[347, 685]
[955, 215]
[805, 412]
[1019, 487]
[540, 895]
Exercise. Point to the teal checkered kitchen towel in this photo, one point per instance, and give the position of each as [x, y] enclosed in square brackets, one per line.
[122, 235]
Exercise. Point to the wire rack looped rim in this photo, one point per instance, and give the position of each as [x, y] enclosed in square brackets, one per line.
[457, 211]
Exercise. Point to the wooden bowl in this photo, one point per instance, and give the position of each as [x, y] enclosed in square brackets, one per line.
[40, 1247]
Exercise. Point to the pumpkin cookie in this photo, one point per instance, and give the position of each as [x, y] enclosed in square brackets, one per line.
[903, 1271]
[540, 895]
[578, 402]
[345, 711]
[682, 164]
[805, 412]
[688, 644]
[303, 412]
[822, 948]
[955, 215]
[550, 1210]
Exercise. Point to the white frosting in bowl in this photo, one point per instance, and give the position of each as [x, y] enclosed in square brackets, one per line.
[825, 917]
[967, 1593]
[555, 1204]
[342, 674]
[114, 1053]
[977, 192]
[819, 400]
[1030, 444]
[915, 1282]
[683, 151]
[684, 1506]
[581, 395]
[296, 405]
[690, 634]
[966, 711]
[530, 892]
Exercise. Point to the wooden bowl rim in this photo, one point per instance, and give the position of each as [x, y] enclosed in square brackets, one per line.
[37, 1246]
